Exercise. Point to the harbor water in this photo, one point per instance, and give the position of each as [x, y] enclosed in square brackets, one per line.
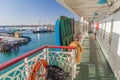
[37, 40]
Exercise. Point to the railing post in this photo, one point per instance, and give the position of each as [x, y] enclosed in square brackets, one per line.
[26, 67]
[118, 77]
[46, 51]
[73, 64]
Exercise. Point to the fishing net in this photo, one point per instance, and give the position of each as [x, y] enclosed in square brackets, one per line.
[57, 73]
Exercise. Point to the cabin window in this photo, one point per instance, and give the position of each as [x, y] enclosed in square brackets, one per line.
[111, 30]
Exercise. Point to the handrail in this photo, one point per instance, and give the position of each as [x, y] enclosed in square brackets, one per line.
[61, 47]
[17, 59]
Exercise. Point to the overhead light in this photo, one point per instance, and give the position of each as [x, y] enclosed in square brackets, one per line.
[102, 2]
[95, 14]
[93, 19]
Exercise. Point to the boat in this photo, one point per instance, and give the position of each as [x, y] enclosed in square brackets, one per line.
[97, 31]
[26, 32]
[8, 41]
[5, 34]
[42, 29]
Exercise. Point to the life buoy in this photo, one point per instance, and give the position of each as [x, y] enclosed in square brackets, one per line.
[79, 50]
[36, 68]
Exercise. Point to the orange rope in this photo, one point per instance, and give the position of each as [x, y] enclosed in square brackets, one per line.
[79, 50]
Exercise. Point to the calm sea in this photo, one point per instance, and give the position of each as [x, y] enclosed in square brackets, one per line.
[37, 40]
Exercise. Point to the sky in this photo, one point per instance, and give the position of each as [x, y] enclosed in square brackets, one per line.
[19, 12]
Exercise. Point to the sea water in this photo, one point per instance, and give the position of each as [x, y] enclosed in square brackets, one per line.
[37, 40]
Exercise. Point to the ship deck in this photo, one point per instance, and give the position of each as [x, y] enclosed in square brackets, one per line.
[94, 65]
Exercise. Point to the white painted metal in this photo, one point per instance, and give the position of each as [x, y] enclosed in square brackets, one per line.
[107, 13]
[74, 64]
[111, 50]
[63, 59]
[46, 52]
[26, 67]
[87, 8]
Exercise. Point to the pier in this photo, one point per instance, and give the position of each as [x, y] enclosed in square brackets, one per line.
[31, 27]
[8, 43]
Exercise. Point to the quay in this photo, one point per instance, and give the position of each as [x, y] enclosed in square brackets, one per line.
[7, 43]
[23, 27]
[43, 31]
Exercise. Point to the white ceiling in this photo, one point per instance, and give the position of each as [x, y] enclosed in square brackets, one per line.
[87, 8]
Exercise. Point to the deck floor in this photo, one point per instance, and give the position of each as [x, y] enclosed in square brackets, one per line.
[94, 65]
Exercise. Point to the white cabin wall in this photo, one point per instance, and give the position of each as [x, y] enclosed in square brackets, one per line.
[81, 30]
[78, 27]
[108, 27]
[111, 51]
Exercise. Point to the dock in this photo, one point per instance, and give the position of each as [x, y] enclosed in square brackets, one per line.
[8, 43]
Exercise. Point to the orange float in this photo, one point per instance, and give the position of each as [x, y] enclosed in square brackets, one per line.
[36, 68]
[97, 26]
